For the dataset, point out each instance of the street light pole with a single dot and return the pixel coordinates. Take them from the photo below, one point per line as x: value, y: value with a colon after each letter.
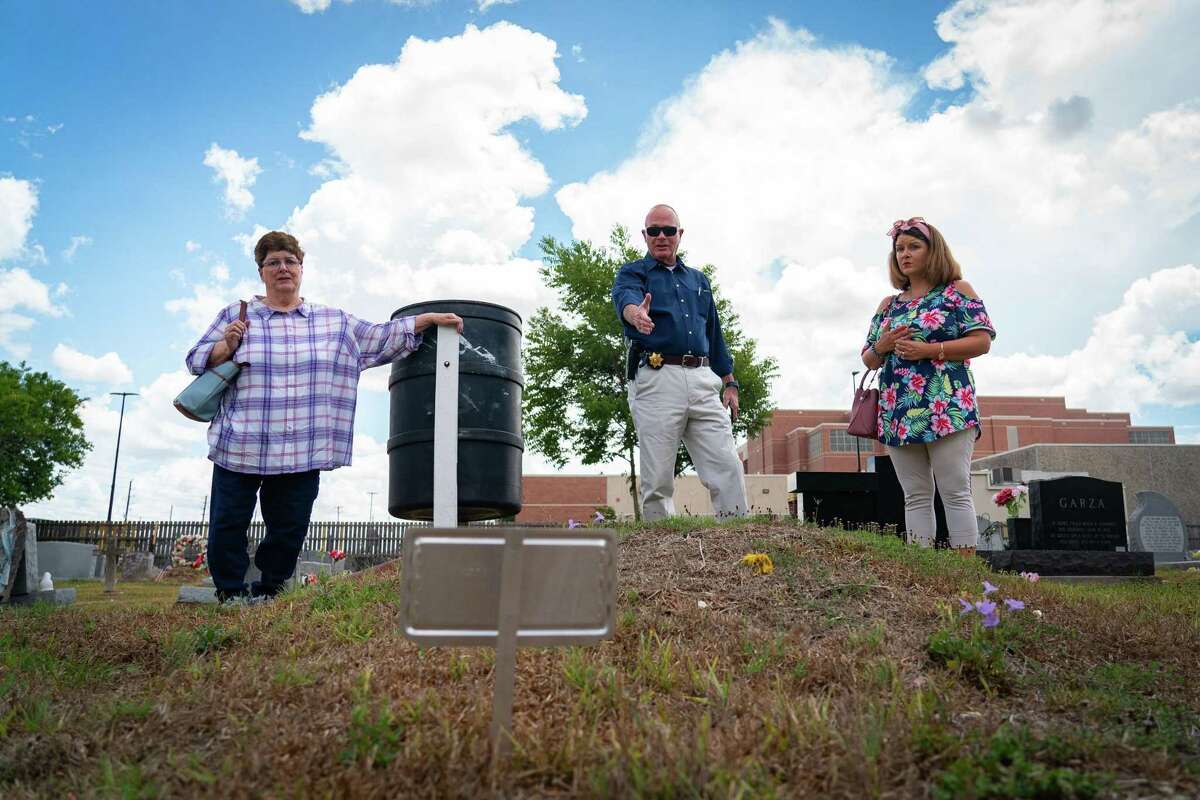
x: 857, y: 441
x: 371, y: 512
x: 120, y: 424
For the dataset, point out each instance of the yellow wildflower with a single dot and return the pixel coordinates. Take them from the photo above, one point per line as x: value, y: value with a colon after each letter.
x: 759, y: 562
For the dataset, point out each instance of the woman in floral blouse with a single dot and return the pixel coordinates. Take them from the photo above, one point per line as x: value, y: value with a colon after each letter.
x: 922, y: 341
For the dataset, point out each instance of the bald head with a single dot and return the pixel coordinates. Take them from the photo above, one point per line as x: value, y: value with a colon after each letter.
x: 662, y: 208
x: 662, y: 233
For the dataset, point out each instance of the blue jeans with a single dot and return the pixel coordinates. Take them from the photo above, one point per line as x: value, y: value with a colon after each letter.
x: 287, y: 502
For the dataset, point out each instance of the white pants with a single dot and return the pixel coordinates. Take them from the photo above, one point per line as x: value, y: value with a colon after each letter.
x: 680, y: 403
x: 946, y: 463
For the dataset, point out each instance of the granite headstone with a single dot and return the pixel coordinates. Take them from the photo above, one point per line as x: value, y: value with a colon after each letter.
x: 1156, y: 527
x: 1077, y: 513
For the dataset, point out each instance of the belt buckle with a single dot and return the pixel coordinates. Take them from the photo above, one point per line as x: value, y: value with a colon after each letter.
x: 655, y: 360
x: 690, y: 361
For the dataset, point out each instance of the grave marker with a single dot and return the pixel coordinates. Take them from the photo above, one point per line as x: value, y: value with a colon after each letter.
x: 1077, y: 513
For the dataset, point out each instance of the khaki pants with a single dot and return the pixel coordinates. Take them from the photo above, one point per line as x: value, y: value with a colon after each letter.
x: 946, y: 463
x: 678, y: 403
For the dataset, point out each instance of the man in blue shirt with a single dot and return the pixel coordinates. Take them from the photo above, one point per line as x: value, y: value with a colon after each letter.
x: 684, y: 387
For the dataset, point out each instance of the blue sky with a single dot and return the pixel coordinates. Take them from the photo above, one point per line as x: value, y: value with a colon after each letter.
x: 790, y: 134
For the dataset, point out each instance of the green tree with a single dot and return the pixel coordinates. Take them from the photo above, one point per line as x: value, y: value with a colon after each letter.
x: 41, y: 434
x: 576, y: 402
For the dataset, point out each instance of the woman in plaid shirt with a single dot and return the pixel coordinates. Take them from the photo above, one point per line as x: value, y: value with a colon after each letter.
x: 290, y: 414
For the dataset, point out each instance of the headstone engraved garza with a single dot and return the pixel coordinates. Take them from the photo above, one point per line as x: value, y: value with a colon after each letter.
x: 1077, y: 513
x: 1156, y: 527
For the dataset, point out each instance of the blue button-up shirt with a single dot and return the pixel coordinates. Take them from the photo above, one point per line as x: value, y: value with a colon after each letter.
x: 681, y: 307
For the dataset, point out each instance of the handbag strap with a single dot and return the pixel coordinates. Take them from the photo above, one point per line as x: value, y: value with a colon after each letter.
x: 867, y: 374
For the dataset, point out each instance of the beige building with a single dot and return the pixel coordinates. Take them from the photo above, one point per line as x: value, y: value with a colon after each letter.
x: 559, y: 498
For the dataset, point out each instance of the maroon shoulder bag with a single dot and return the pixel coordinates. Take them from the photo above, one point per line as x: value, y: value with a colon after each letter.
x: 864, y: 413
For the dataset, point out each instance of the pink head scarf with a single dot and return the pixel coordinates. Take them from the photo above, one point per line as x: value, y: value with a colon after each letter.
x: 902, y: 225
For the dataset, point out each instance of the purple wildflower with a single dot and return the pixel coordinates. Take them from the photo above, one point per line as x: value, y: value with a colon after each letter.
x: 988, y: 588
x: 599, y: 517
x: 967, y: 608
x: 1013, y: 605
x: 572, y: 523
x: 985, y: 607
x: 991, y: 620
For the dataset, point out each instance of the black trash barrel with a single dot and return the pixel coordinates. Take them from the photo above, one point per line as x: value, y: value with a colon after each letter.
x: 490, y: 445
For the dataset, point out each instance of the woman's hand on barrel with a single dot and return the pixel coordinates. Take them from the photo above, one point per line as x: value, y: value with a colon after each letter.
x: 435, y: 319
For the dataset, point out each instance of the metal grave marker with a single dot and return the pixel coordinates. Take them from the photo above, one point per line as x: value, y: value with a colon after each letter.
x: 508, y: 587
x: 496, y: 586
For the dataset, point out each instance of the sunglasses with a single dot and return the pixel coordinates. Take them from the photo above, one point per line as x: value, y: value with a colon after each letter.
x: 665, y: 230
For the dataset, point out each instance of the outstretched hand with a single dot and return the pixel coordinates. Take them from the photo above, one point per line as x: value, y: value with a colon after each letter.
x: 434, y: 319
x: 639, y: 316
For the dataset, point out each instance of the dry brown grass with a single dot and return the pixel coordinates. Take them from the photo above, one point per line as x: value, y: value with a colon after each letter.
x: 811, y: 681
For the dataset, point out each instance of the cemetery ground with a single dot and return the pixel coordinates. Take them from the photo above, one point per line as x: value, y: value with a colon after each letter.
x: 845, y: 671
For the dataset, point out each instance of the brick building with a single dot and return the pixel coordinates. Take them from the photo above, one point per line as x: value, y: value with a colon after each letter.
x: 816, y: 441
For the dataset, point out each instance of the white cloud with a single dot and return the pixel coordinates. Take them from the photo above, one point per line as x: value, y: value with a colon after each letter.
x: 161, y: 451
x: 107, y: 369
x: 191, y: 246
x: 577, y: 52
x: 1021, y: 57
x: 484, y: 5
x: 314, y: 6
x: 10, y: 325
x: 1144, y: 351
x: 237, y: 173
x: 18, y: 204
x: 206, y: 300
x: 429, y: 198
x: 19, y: 289
x: 788, y: 160
x: 73, y: 248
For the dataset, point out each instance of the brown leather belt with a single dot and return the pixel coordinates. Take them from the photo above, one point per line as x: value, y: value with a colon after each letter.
x: 689, y: 361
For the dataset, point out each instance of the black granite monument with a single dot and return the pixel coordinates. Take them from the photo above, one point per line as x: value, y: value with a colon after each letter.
x: 1077, y: 513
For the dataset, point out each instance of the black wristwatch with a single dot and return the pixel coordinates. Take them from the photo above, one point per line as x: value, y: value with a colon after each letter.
x: 734, y: 384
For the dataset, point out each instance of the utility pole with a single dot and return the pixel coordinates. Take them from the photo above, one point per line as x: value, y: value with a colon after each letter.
x: 371, y: 512
x: 110, y: 548
x: 116, y: 456
x: 203, y: 509
x: 128, y: 495
x: 338, y: 510
x: 857, y: 440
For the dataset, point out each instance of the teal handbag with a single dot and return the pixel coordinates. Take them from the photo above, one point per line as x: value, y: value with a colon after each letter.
x: 202, y: 398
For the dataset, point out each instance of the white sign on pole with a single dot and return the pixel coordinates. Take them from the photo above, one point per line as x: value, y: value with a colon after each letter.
x: 504, y: 587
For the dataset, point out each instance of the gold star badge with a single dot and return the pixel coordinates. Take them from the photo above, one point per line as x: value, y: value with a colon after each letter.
x: 655, y: 360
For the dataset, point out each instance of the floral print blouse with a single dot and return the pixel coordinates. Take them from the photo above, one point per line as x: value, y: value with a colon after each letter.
x: 922, y: 401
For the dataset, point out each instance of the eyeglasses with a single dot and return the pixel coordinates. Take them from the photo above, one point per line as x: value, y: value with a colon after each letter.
x: 275, y: 263
x: 665, y: 230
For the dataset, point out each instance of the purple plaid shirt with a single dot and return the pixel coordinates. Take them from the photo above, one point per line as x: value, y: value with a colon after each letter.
x: 292, y: 409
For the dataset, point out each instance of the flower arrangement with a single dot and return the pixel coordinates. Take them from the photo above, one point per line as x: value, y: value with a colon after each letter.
x: 759, y: 562
x: 1011, y: 497
x: 308, y: 579
x: 337, y: 555
x: 1032, y: 577
x: 179, y: 551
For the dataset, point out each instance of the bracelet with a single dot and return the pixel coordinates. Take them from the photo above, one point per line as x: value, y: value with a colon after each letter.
x: 941, y: 351
x: 878, y: 354
x: 733, y: 384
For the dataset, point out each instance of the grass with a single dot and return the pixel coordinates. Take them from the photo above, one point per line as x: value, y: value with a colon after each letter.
x: 844, y: 673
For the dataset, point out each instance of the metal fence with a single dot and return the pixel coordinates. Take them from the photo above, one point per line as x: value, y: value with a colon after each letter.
x: 355, y: 538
